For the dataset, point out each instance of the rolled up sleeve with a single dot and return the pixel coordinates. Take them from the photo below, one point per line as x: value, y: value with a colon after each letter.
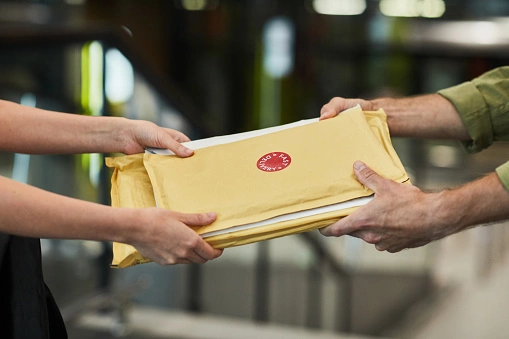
x: 483, y: 105
x: 503, y: 174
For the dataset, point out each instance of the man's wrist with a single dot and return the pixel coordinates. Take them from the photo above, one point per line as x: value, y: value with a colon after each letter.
x: 377, y: 104
x: 448, y: 212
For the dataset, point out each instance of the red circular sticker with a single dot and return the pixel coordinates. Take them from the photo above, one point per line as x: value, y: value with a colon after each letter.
x: 273, y: 162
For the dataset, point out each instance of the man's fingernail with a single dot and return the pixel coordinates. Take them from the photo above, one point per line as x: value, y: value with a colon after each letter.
x: 359, y: 165
x: 188, y: 151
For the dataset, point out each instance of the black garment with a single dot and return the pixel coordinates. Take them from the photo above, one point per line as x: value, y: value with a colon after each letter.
x: 27, y: 307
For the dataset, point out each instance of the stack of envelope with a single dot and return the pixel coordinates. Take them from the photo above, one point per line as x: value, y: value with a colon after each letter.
x: 262, y: 184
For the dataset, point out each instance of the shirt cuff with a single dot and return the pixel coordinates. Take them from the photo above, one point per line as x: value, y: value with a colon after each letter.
x: 474, y: 113
x: 503, y: 174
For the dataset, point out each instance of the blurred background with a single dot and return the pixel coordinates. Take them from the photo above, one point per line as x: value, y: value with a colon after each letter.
x: 213, y: 67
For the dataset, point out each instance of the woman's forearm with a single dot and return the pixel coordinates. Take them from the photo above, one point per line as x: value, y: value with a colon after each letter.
x: 31, y: 130
x: 32, y: 212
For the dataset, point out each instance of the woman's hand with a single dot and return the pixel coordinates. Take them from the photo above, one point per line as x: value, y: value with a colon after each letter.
x: 166, y: 238
x: 143, y: 134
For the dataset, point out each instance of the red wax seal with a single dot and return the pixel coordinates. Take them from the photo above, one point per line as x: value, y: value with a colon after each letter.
x: 273, y: 162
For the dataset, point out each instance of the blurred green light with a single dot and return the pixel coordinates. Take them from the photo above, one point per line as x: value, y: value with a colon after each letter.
x: 194, y: 5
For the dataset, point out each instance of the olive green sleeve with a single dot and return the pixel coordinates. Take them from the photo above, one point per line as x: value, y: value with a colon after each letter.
x: 483, y: 105
x: 503, y: 174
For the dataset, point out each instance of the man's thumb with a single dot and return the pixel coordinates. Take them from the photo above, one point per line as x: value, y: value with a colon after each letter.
x: 367, y: 176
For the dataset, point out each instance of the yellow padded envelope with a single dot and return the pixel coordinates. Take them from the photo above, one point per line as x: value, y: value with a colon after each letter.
x: 130, y: 187
x: 257, y: 185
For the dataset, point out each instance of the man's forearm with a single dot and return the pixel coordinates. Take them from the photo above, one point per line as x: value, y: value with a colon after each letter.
x: 31, y: 130
x: 427, y: 116
x: 479, y: 202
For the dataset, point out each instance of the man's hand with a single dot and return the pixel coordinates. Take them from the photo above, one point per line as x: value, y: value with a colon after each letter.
x: 400, y: 216
x: 338, y: 105
x: 167, y: 239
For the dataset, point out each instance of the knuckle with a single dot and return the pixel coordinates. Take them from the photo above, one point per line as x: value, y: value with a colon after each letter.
x: 171, y: 261
x: 335, y: 231
x: 368, y: 173
x: 371, y: 238
x: 193, y: 243
x: 186, y: 253
x: 366, y: 223
x: 198, y: 218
